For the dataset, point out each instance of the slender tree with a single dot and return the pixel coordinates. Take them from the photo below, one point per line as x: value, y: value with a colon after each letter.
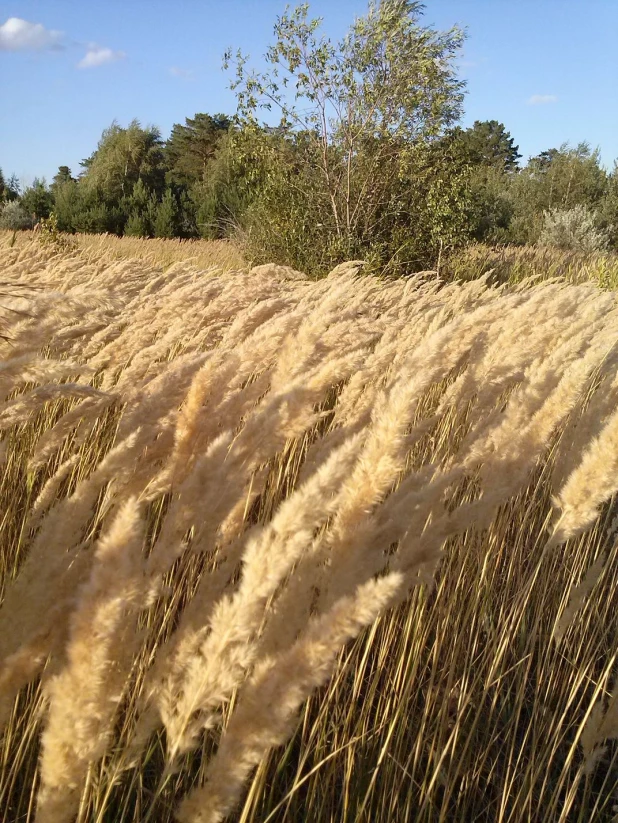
x: 355, y: 122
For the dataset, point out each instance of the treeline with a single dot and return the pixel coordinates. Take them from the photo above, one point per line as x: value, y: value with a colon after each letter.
x: 136, y: 183
x: 367, y: 161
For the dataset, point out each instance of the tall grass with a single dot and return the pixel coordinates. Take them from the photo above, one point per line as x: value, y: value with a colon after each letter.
x: 162, y: 252
x: 286, y: 550
x: 512, y: 264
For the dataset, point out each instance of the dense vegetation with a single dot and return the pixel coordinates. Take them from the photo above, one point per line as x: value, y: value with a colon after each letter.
x: 362, y: 157
x: 283, y: 550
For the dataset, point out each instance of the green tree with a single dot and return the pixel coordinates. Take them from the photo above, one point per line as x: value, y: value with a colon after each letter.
x: 166, y: 219
x: 124, y: 156
x: 136, y: 226
x: 556, y: 179
x: 607, y: 216
x: 69, y: 203
x: 37, y: 200
x: 9, y: 190
x: 66, y: 198
x: 491, y: 157
x: 355, y: 119
x: 141, y: 207
x: 63, y: 175
x: 94, y: 216
x: 191, y: 147
x: 216, y: 204
x: 489, y: 206
x: 487, y: 143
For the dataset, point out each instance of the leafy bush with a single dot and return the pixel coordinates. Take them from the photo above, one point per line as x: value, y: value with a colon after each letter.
x: 51, y: 235
x: 13, y: 217
x: 573, y: 230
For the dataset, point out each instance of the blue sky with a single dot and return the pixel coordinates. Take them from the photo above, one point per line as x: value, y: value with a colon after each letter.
x: 548, y: 69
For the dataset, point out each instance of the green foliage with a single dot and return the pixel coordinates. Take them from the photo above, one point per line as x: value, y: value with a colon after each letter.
x: 62, y: 176
x: 556, y: 179
x: 69, y: 204
x: 607, y: 215
x: 486, y: 144
x: 99, y: 217
x: 9, y: 190
x: 356, y: 121
x: 489, y: 207
x: 37, y: 200
x: 141, y: 206
x: 124, y: 156
x: 50, y: 234
x: 234, y: 174
x: 166, y: 219
x: 573, y: 230
x: 136, y: 226
x: 140, y: 197
x: 192, y: 146
x: 13, y: 217
x: 123, y: 187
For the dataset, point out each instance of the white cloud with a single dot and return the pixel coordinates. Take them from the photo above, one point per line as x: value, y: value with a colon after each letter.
x: 20, y: 35
x: 542, y: 99
x: 184, y: 74
x: 98, y: 56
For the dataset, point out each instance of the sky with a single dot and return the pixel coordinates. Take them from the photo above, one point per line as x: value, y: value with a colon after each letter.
x: 547, y: 69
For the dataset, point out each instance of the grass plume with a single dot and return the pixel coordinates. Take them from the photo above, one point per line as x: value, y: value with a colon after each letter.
x: 278, y: 549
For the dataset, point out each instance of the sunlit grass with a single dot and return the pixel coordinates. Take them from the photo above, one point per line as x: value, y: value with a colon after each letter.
x: 511, y: 264
x: 463, y: 703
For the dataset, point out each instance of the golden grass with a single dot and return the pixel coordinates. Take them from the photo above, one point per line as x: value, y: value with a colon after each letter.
x: 232, y: 497
x: 160, y: 252
x: 512, y: 264
x: 155, y: 252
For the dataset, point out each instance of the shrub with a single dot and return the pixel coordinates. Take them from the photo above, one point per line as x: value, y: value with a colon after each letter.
x: 51, y: 235
x: 13, y: 217
x: 572, y: 230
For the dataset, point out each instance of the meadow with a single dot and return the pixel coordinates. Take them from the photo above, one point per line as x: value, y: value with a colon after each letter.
x: 280, y: 549
x: 203, y: 254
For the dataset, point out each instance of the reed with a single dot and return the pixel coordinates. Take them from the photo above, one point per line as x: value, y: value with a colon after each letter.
x: 277, y: 549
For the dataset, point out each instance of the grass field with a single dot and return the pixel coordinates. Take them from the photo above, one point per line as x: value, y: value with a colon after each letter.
x: 159, y: 253
x: 515, y: 263
x: 282, y: 550
x: 200, y: 253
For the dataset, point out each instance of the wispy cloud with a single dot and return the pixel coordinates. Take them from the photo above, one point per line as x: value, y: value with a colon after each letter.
x: 183, y: 74
x: 20, y: 35
x: 98, y: 56
x: 542, y: 99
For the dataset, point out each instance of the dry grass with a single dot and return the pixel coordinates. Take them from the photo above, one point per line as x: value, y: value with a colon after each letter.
x: 229, y: 498
x: 512, y: 264
x: 201, y: 253
x: 156, y: 253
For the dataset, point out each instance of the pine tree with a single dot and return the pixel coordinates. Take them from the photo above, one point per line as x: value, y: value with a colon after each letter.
x: 166, y: 220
